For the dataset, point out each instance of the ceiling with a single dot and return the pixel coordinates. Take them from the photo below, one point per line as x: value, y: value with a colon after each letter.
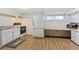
x: 41, y: 10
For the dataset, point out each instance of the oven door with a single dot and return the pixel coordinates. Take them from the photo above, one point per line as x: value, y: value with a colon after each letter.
x: 23, y: 29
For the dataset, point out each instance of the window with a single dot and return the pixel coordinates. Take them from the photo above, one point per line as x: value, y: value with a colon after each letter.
x: 54, y: 17
x: 49, y: 17
x: 59, y: 17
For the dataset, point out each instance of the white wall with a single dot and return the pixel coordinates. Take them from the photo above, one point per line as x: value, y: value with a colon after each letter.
x: 75, y: 17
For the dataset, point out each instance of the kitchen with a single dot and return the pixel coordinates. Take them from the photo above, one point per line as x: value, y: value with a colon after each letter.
x: 23, y: 29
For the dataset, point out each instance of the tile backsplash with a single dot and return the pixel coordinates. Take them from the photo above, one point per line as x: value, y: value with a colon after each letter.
x: 6, y: 21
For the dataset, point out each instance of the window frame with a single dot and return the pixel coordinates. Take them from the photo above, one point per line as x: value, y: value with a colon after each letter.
x: 58, y: 17
x: 52, y: 17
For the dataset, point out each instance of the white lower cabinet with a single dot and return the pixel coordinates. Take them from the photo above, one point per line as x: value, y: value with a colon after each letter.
x: 38, y: 33
x: 9, y: 35
x: 75, y: 37
x: 16, y: 32
x: 6, y: 36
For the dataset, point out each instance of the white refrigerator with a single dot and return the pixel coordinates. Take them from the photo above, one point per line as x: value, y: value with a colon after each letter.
x: 38, y: 26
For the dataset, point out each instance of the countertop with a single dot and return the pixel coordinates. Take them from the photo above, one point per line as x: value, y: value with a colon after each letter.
x: 6, y: 27
x: 77, y: 30
x: 65, y: 29
x: 9, y: 27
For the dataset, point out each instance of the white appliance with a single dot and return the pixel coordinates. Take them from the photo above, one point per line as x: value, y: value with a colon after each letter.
x: 38, y: 26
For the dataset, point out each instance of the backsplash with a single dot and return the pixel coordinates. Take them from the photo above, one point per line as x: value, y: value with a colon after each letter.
x: 56, y: 24
x: 6, y: 21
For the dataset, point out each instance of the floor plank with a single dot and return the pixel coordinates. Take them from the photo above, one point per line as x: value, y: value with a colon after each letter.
x: 48, y: 43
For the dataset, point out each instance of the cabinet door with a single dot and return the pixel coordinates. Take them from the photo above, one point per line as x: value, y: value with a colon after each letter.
x: 16, y: 33
x: 7, y: 36
x: 72, y: 35
x: 38, y: 22
x: 38, y: 33
x: 61, y: 33
x: 75, y: 37
x: 48, y: 33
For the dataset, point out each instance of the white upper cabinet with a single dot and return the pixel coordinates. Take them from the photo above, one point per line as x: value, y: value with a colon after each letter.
x: 38, y: 22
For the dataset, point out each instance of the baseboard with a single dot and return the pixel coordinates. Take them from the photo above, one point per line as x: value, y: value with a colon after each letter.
x: 57, y: 37
x: 38, y: 37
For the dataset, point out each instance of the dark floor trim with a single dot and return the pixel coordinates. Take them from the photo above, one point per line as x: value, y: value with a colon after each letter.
x: 57, y: 37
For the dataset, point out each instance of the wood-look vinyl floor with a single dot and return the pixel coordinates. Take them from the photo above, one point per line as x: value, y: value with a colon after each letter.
x: 47, y: 43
